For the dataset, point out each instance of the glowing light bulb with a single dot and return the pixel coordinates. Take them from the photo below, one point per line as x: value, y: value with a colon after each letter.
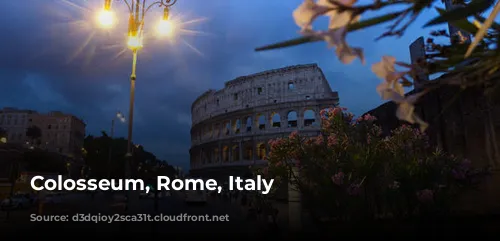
x: 134, y: 42
x: 165, y: 27
x: 106, y: 18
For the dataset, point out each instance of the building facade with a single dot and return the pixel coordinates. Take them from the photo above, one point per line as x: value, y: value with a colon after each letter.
x: 61, y: 133
x: 231, y: 127
x: 15, y: 122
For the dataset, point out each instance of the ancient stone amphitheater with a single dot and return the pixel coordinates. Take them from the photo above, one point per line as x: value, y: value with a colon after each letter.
x: 231, y: 127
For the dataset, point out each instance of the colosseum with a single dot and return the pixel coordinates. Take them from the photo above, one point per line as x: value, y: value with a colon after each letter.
x: 231, y: 127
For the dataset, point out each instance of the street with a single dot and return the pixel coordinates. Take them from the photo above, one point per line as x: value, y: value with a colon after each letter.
x: 102, y: 204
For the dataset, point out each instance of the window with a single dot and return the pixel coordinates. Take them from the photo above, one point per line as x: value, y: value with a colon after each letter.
x: 291, y: 86
x: 235, y: 96
x: 49, y: 127
x: 217, y: 102
x: 308, y: 97
x: 259, y: 90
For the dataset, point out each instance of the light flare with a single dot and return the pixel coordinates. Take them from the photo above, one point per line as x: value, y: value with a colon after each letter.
x: 106, y: 18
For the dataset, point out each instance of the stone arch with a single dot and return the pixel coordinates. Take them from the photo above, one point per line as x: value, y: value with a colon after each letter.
x: 216, y: 155
x: 261, y: 151
x: 210, y: 131
x: 227, y: 128
x: 235, y: 153
x: 261, y: 121
x: 292, y: 119
x: 248, y: 153
x: 217, y: 130
x: 275, y: 120
x: 237, y: 126
x: 225, y: 154
x: 309, y: 117
x: 249, y: 123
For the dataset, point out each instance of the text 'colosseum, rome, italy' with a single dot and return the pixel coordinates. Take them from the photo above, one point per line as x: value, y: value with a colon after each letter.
x: 231, y: 127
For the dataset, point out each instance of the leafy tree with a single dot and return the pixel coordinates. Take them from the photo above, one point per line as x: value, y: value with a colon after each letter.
x: 43, y: 161
x: 144, y: 164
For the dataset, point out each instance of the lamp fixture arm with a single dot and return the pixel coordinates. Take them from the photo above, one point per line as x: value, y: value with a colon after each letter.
x: 161, y: 3
x: 128, y: 5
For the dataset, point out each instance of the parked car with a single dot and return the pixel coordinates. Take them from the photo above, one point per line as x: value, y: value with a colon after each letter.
x: 15, y: 202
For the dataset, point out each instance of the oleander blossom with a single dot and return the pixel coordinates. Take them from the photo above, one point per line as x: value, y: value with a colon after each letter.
x: 332, y: 141
x: 274, y: 143
x: 338, y: 179
x: 425, y: 196
x: 310, y: 10
x: 319, y: 140
x: 392, y: 89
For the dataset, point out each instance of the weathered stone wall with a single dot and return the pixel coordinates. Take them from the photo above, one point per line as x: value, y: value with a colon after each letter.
x: 232, y: 126
x: 462, y: 122
x: 268, y: 87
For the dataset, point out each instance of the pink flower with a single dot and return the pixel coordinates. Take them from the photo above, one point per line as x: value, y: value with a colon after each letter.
x: 310, y: 141
x: 294, y: 135
x: 349, y: 117
x: 338, y: 178
x: 275, y: 143
x: 425, y: 196
x: 336, y: 111
x: 319, y: 140
x: 332, y: 141
x: 324, y: 114
x: 354, y: 189
x: 369, y: 117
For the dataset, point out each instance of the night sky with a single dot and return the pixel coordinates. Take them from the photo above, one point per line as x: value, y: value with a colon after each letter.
x: 54, y: 57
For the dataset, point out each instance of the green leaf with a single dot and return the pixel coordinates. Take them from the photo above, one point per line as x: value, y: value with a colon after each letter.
x: 463, y: 23
x: 373, y: 21
x: 289, y: 43
x: 353, y: 27
x: 475, y: 7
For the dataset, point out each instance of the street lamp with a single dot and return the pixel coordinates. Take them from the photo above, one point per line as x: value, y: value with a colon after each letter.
x: 119, y: 116
x: 106, y: 17
x: 137, y: 11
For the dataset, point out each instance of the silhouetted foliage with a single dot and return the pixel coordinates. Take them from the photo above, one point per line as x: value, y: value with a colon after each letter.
x: 102, y: 165
x: 43, y: 161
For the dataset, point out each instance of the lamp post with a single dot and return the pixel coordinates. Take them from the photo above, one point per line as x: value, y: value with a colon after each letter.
x: 119, y: 116
x: 137, y: 11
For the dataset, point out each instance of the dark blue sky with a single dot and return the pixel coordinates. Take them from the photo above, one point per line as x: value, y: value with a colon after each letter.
x: 46, y: 64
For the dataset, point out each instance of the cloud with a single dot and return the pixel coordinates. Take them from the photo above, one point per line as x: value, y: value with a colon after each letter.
x: 48, y: 63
